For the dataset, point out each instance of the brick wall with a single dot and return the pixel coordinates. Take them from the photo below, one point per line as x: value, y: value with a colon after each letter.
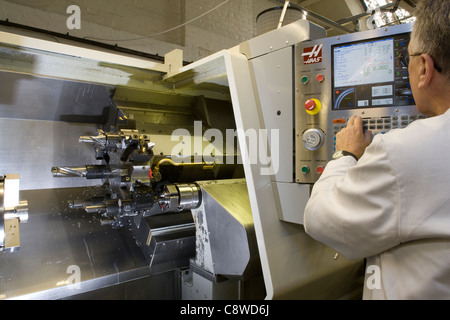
x: 231, y: 24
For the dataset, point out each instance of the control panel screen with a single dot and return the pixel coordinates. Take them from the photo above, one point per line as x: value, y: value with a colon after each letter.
x: 371, y: 73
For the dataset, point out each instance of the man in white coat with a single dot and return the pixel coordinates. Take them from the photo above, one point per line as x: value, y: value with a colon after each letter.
x: 389, y: 200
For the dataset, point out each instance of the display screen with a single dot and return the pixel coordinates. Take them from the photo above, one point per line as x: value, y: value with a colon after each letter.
x: 364, y: 63
x: 371, y: 73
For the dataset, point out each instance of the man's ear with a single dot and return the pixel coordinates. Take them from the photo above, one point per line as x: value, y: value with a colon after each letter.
x: 426, y: 70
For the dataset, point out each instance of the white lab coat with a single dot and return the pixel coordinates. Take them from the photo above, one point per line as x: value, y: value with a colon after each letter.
x: 393, y: 208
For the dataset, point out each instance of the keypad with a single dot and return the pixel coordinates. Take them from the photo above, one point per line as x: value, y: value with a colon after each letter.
x: 378, y: 125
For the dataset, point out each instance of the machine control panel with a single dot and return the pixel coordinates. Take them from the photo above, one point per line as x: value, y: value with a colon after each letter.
x: 362, y: 74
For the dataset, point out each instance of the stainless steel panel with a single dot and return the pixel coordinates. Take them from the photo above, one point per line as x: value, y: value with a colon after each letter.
x: 226, y: 241
x: 31, y: 147
x: 29, y: 97
x: 57, y: 238
x: 41, y: 120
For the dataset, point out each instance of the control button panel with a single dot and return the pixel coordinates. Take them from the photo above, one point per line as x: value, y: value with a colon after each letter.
x: 378, y: 125
x: 329, y: 90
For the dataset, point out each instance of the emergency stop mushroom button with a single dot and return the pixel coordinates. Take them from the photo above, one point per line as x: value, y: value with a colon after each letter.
x: 312, y: 106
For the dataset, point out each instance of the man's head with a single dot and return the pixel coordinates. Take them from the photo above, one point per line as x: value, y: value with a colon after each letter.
x: 429, y: 51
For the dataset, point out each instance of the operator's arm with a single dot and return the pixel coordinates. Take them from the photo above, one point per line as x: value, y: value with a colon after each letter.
x: 353, y: 207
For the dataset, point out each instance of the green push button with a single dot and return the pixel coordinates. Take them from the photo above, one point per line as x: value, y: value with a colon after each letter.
x: 305, y: 169
x: 305, y: 79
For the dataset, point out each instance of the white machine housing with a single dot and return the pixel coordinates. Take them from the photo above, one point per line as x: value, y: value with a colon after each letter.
x: 260, y: 76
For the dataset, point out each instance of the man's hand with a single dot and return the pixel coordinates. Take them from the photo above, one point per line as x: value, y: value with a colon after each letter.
x: 352, y: 138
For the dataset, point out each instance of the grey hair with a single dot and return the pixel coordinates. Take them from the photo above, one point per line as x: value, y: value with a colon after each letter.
x: 432, y: 31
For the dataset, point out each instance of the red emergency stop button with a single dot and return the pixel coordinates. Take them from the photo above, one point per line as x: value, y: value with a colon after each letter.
x: 312, y: 106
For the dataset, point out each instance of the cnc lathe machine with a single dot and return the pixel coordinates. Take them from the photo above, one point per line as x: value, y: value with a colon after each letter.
x: 124, y: 177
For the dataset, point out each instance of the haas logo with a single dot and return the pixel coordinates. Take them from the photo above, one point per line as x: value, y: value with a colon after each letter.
x: 312, y: 54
